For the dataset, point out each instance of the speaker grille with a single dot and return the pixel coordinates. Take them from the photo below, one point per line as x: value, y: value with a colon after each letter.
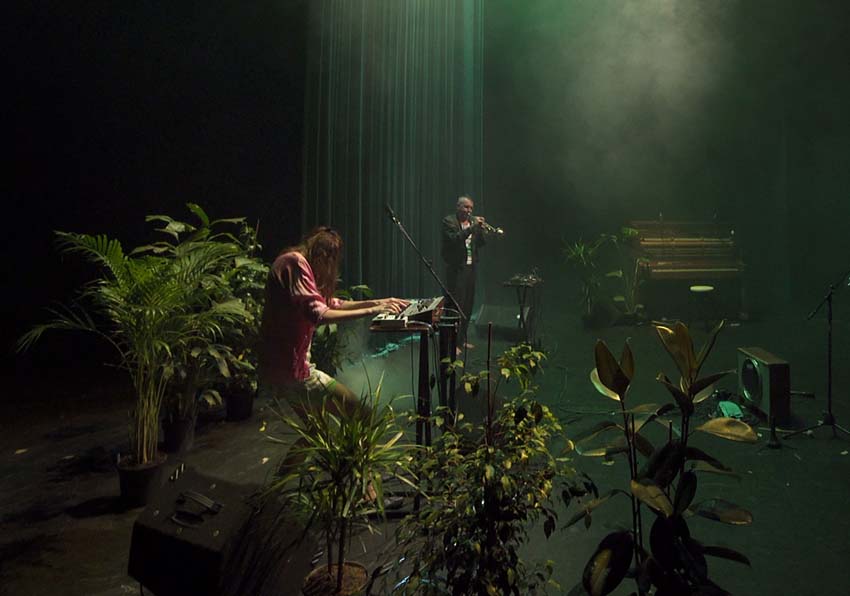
x: 751, y: 386
x: 765, y: 381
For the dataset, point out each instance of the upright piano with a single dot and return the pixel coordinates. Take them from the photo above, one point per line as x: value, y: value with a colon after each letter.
x: 673, y: 256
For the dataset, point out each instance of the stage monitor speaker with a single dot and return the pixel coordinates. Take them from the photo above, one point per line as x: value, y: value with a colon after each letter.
x: 181, y: 543
x: 765, y: 381
x: 505, y: 319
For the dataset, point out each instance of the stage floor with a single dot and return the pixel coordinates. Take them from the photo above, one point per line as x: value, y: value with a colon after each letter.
x: 63, y: 528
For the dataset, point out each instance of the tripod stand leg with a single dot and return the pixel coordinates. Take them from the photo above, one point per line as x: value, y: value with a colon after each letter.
x: 774, y: 442
x: 828, y: 420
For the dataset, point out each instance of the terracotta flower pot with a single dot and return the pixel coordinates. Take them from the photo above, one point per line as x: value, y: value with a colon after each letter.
x: 321, y: 583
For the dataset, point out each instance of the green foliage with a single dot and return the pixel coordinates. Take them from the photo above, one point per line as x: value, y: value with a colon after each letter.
x: 612, y: 252
x: 158, y: 307
x: 521, y: 362
x: 484, y: 487
x: 666, y: 483
x: 227, y: 246
x: 583, y: 256
x: 329, y: 349
x: 345, y: 456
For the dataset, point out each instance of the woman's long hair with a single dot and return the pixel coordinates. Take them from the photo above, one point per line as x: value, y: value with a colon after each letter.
x: 322, y: 248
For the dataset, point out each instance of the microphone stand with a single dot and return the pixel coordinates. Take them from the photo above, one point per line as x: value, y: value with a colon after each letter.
x: 829, y: 417
x: 422, y: 258
x: 450, y: 347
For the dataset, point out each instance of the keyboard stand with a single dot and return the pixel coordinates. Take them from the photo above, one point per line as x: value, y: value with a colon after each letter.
x: 423, y: 399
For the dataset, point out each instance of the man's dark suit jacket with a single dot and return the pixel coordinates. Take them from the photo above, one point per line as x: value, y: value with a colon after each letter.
x: 453, y: 246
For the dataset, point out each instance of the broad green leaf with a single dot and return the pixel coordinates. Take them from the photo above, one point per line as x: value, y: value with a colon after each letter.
x: 696, y: 454
x: 682, y: 399
x: 708, y: 345
x: 596, y: 429
x: 651, y: 494
x: 723, y: 511
x: 609, y: 564
x: 594, y: 378
x: 700, y: 385
x: 677, y: 341
x: 627, y: 361
x: 703, y: 466
x: 609, y: 371
x: 703, y: 394
x: 640, y: 409
x: 615, y: 448
x: 200, y: 213
x: 664, y: 464
x: 726, y: 553
x: 588, y: 507
x: 729, y: 428
x: 685, y: 492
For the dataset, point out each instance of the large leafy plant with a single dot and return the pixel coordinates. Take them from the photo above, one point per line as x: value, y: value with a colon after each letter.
x: 666, y: 482
x: 153, y: 310
x: 584, y: 258
x: 484, y: 486
x: 227, y: 248
x: 610, y: 253
x: 627, y: 271
x: 345, y: 454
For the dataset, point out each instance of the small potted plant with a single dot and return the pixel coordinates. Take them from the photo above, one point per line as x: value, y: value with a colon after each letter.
x: 484, y: 486
x: 196, y: 369
x: 584, y: 258
x: 241, y: 387
x: 344, y: 456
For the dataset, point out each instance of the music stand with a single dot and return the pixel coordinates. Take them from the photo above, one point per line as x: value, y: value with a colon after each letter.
x: 529, y: 303
x: 829, y: 417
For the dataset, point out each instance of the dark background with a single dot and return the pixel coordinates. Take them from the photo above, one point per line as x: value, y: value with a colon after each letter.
x: 595, y: 113
x: 120, y: 110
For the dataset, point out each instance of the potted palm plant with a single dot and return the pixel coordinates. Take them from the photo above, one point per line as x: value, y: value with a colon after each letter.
x: 344, y: 457
x: 584, y: 257
x: 235, y: 274
x: 149, y: 308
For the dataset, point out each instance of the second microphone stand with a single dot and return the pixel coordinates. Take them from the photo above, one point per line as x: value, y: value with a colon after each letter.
x: 828, y: 417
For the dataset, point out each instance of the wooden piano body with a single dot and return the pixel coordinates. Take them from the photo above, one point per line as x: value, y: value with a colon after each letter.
x: 675, y: 255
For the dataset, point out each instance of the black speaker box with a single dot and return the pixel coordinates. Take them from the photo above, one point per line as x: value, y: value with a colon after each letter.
x: 505, y: 319
x: 765, y: 381
x: 179, y: 546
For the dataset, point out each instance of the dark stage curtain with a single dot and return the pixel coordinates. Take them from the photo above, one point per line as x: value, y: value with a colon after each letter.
x: 393, y: 115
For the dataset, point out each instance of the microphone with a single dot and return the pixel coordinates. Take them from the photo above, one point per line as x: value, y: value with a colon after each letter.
x: 390, y: 212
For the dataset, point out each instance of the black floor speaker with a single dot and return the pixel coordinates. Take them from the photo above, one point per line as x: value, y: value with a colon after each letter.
x: 181, y: 542
x: 765, y: 380
x: 506, y: 321
x: 202, y: 536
